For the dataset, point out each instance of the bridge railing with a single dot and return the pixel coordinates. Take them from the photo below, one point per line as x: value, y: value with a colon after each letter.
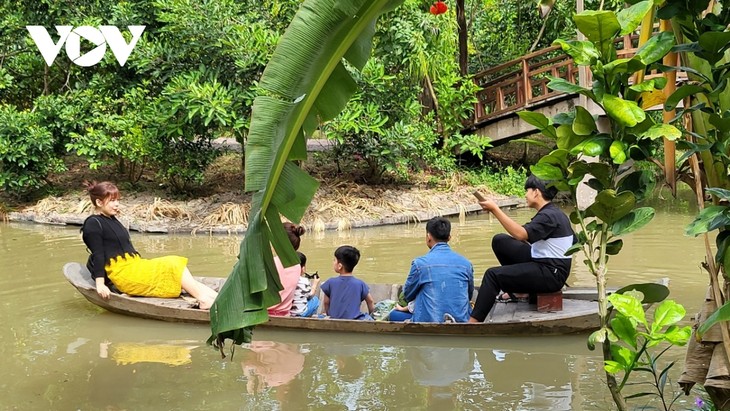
x: 522, y: 83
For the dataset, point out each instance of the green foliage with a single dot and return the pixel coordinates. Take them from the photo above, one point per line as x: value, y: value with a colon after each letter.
x: 503, y: 180
x: 191, y: 78
x: 634, y: 336
x: 26, y: 152
x: 365, y: 132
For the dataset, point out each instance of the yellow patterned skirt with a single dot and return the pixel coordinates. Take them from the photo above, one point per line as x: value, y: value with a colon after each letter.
x: 156, y: 277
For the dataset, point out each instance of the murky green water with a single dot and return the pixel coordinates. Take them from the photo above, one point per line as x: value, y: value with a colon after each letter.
x: 60, y: 352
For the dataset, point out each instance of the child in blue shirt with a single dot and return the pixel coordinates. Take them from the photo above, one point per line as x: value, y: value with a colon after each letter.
x: 344, y: 294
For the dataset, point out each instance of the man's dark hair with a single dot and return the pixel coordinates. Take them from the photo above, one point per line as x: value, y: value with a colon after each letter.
x: 548, y: 193
x: 439, y: 228
x: 302, y: 258
x: 348, y: 256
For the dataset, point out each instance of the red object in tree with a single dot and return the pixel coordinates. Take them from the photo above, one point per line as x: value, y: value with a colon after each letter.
x: 438, y: 7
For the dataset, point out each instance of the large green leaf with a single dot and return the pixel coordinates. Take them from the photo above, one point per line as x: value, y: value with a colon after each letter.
x: 652, y: 292
x: 633, y: 221
x: 623, y: 66
x: 564, y: 86
x: 540, y: 121
x: 668, y: 313
x: 617, y: 150
x: 639, y: 182
x: 714, y: 44
x: 610, y: 207
x: 656, y: 48
x: 584, y: 123
x: 629, y: 306
x: 567, y: 139
x: 682, y: 92
x: 630, y: 18
x: 705, y: 218
x: 627, y: 113
x: 584, y: 53
x: 624, y: 329
x: 600, y: 27
x: 593, y: 146
x: 722, y: 314
x: 720, y: 193
x: 305, y: 82
x: 547, y: 172
x: 558, y: 158
x: 667, y: 131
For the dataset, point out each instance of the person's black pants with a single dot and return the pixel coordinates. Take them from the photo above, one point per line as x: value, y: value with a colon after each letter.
x: 518, y: 273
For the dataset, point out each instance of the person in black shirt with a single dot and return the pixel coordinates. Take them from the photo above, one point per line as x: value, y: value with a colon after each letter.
x: 532, y: 256
x: 115, y: 262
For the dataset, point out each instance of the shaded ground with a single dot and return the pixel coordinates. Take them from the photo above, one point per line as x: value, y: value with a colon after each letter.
x: 221, y: 206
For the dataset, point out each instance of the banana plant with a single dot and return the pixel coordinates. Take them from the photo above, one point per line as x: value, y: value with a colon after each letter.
x: 601, y: 153
x: 305, y: 82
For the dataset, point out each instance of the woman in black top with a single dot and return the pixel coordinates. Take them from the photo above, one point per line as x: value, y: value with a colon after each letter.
x: 532, y: 256
x: 114, y: 261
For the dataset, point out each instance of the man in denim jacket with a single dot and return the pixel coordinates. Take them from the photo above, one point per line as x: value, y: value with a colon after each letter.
x: 442, y: 281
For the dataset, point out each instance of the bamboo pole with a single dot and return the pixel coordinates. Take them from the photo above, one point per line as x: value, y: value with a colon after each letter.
x: 647, y: 28
x: 670, y: 168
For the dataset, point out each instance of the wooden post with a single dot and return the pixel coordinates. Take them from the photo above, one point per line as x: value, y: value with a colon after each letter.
x: 527, y: 88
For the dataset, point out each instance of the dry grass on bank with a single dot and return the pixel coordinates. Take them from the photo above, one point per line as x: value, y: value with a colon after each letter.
x: 161, y: 209
x: 339, y: 202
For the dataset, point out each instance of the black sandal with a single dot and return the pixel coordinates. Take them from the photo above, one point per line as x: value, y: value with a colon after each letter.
x: 511, y: 298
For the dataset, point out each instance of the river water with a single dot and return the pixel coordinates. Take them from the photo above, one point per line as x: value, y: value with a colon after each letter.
x: 60, y: 352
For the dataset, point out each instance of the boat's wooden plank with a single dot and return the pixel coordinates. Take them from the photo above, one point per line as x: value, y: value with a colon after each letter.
x: 504, y: 312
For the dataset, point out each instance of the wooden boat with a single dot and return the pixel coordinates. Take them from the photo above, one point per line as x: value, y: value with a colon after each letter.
x: 579, y: 314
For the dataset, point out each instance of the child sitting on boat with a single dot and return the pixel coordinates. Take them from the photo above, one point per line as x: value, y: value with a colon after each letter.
x: 344, y: 294
x: 305, y: 301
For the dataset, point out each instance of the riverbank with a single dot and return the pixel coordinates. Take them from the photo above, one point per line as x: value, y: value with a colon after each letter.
x: 339, y: 204
x: 340, y: 207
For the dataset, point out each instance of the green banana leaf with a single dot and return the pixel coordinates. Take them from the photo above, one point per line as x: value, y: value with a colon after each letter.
x: 304, y: 83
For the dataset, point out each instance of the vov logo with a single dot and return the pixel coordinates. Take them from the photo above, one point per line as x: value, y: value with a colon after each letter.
x: 71, y: 37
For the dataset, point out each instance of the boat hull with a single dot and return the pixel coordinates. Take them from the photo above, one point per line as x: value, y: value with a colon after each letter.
x: 579, y: 314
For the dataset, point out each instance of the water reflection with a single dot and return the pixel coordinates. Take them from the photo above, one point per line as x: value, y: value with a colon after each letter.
x: 125, y: 353
x: 269, y: 364
x: 430, y: 376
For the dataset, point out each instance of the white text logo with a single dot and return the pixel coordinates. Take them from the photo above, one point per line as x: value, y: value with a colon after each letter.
x: 72, y: 38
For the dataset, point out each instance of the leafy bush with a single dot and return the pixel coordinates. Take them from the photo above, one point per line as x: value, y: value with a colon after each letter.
x: 26, y: 152
x: 508, y: 181
x: 366, y: 132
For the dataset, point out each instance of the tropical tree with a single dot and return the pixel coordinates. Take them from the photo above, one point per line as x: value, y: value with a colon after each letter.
x: 601, y: 153
x: 305, y: 82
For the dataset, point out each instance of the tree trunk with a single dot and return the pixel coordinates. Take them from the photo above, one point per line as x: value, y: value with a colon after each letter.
x: 463, y: 38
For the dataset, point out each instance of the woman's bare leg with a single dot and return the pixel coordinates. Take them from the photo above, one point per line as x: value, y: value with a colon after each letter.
x: 200, y: 291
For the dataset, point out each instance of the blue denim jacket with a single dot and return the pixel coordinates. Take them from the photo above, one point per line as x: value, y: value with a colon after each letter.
x: 441, y: 282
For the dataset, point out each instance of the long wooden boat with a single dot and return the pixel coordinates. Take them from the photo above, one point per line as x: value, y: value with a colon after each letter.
x: 579, y: 314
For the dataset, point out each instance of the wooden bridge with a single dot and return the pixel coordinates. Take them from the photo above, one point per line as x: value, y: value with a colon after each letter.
x: 521, y: 84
